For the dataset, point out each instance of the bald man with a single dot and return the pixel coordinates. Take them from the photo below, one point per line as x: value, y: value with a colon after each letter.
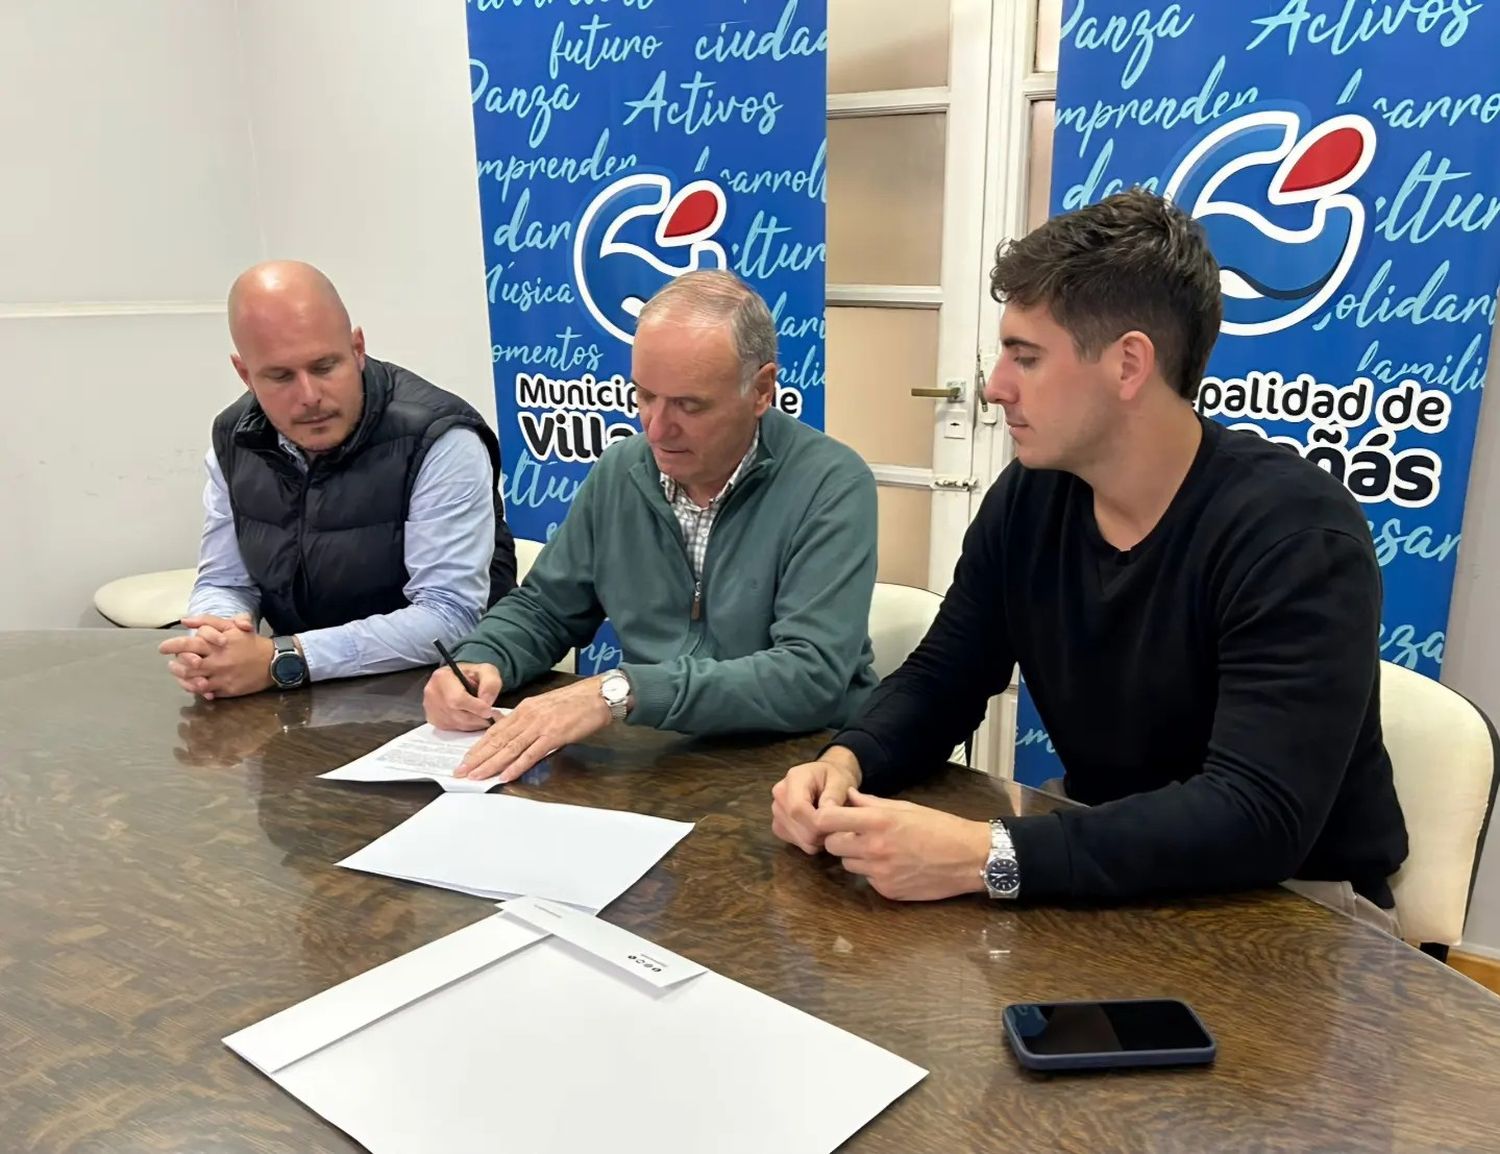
x: 350, y: 504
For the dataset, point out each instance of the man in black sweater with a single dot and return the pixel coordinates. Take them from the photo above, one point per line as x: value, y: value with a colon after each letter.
x: 1195, y: 610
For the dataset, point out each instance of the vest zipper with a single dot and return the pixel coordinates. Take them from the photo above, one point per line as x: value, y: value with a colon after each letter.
x: 302, y: 513
x: 697, y: 610
x: 299, y: 577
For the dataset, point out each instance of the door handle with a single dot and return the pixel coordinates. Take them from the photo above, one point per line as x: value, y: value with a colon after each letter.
x: 952, y: 394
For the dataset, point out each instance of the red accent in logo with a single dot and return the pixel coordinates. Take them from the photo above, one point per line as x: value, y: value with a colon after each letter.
x: 694, y: 214
x: 1326, y: 161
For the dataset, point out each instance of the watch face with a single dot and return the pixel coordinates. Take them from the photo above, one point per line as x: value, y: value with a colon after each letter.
x: 615, y: 690
x: 288, y: 669
x: 1002, y: 875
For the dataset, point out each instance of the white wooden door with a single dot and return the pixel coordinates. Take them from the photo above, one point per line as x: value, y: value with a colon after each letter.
x: 907, y: 108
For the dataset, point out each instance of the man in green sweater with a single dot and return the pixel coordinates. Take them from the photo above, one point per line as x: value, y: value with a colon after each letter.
x: 731, y: 546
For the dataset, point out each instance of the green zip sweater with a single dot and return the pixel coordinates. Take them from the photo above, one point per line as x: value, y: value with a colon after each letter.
x: 779, y: 640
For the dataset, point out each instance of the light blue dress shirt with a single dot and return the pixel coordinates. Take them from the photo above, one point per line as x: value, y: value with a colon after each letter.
x: 450, y: 539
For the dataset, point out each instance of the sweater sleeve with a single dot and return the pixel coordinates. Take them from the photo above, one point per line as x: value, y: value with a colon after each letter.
x: 1298, y: 654
x: 937, y: 698
x: 557, y: 607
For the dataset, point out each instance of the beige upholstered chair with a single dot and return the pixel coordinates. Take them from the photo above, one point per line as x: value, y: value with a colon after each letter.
x: 147, y: 600
x: 900, y: 616
x: 1443, y: 749
x: 526, y: 554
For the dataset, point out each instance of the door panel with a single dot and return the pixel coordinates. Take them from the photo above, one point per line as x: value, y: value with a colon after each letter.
x: 883, y: 44
x: 874, y: 356
x: 905, y: 528
x: 885, y: 220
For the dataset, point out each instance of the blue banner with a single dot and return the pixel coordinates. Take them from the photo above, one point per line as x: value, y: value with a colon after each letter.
x: 1342, y: 157
x: 621, y: 144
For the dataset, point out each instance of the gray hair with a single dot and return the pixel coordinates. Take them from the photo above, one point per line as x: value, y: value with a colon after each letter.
x: 716, y: 296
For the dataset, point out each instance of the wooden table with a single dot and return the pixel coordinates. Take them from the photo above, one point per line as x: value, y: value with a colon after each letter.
x: 167, y: 877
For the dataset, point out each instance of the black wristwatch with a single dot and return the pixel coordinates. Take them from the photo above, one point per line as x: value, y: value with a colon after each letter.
x: 288, y: 667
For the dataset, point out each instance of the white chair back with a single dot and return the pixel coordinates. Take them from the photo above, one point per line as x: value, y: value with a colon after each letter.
x: 526, y: 554
x: 1443, y: 750
x: 900, y: 616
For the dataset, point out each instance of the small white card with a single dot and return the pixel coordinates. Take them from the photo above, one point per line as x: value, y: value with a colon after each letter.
x: 647, y: 961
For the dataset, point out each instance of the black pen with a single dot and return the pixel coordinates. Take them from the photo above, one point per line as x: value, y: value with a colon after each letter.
x: 453, y: 665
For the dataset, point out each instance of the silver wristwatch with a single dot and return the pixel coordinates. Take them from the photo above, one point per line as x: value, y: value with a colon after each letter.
x: 615, y: 689
x: 1001, y: 874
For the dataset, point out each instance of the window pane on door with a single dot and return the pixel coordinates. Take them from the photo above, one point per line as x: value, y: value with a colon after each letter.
x: 1048, y: 32
x: 1039, y: 161
x: 905, y: 533
x: 875, y: 357
x: 879, y: 44
x: 885, y: 199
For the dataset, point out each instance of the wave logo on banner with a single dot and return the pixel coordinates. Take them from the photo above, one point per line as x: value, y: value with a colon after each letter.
x: 635, y: 236
x: 1273, y: 273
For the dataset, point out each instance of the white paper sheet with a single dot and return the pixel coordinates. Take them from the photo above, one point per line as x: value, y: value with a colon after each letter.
x: 498, y: 846
x: 544, y: 1048
x: 423, y: 754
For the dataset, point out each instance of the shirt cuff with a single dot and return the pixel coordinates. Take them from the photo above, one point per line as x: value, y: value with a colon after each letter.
x: 329, y: 653
x: 217, y: 601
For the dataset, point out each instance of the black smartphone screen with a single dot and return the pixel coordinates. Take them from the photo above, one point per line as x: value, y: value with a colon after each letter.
x: 1107, y: 1027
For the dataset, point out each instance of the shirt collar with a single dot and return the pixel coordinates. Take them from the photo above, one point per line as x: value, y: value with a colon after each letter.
x: 292, y: 450
x: 673, y: 491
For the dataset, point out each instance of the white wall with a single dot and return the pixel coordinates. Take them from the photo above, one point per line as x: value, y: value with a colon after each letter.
x: 125, y: 209
x: 152, y: 151
x: 364, y: 148
x: 1471, y: 662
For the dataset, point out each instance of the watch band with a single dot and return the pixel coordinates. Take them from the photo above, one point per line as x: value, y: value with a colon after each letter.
x: 286, y: 646
x: 1001, y: 873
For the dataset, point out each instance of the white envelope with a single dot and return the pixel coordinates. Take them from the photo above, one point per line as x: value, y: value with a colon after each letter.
x: 503, y: 1037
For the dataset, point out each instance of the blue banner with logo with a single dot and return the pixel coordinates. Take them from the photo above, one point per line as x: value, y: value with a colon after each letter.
x: 1344, y: 158
x: 622, y: 143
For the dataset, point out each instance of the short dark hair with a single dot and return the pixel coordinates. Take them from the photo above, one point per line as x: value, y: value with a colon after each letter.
x: 1131, y: 261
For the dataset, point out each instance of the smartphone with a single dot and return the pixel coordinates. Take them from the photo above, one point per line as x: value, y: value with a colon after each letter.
x: 1104, y: 1035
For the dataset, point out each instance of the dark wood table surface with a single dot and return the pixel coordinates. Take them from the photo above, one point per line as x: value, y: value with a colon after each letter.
x: 167, y: 877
